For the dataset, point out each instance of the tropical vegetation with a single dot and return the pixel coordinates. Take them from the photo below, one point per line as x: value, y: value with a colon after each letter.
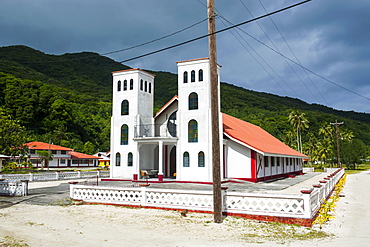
x: 66, y: 99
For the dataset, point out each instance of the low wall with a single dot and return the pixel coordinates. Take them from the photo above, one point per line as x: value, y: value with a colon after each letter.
x: 308, y: 169
x: 52, y: 176
x: 293, y: 209
x: 13, y: 188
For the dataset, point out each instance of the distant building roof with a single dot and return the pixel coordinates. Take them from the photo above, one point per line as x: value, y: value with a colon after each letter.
x: 46, y: 146
x: 77, y: 155
x: 255, y: 137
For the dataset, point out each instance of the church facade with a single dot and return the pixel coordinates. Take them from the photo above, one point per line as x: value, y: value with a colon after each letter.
x: 175, y: 143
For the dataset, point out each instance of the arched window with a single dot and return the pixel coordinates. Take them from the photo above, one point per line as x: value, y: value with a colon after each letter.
x: 124, y: 85
x: 118, y: 159
x: 171, y: 124
x: 131, y: 84
x: 193, y: 101
x: 185, y: 77
x: 186, y: 161
x: 124, y: 107
x: 192, y: 76
x: 129, y: 159
x: 200, y: 75
x: 201, y: 159
x: 141, y: 84
x: 150, y: 88
x: 124, y: 134
x: 146, y: 86
x: 119, y: 86
x: 193, y: 131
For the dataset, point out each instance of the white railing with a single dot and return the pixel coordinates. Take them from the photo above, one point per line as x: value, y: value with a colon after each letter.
x: 13, y: 188
x: 52, y: 176
x: 302, y: 206
x: 308, y: 169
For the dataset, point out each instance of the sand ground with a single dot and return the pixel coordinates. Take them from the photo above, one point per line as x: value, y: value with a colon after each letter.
x: 100, y: 225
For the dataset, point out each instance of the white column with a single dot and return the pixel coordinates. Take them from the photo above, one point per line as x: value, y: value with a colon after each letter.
x: 160, y: 161
x: 136, y: 174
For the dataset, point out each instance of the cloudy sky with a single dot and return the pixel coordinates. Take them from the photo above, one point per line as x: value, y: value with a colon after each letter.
x: 329, y: 38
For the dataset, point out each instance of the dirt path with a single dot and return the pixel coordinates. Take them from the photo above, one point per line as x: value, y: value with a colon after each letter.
x: 99, y: 225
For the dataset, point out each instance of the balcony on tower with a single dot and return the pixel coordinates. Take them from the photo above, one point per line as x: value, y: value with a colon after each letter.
x: 156, y: 130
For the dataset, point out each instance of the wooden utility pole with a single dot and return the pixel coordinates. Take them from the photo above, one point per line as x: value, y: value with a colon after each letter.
x: 337, y: 134
x: 215, y: 111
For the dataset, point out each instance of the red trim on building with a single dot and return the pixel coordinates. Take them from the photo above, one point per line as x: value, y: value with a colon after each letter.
x: 253, y: 165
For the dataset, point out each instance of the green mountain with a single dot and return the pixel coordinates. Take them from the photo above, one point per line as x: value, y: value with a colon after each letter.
x: 66, y: 99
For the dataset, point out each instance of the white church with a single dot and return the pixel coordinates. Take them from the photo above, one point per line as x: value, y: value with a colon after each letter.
x: 175, y: 143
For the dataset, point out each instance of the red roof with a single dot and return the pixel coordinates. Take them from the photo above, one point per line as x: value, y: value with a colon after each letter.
x: 174, y: 98
x: 77, y: 155
x: 132, y: 70
x: 255, y: 137
x: 195, y: 59
x: 46, y: 146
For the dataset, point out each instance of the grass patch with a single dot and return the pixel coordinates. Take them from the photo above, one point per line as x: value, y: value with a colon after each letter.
x: 359, y: 168
x: 260, y: 232
x: 8, y: 241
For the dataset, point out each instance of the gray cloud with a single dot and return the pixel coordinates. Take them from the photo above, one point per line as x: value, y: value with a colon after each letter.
x: 328, y: 37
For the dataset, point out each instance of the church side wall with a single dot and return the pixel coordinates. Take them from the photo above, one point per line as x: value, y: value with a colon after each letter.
x: 238, y: 161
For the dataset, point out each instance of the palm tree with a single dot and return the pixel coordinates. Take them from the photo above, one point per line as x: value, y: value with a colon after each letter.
x: 45, y: 156
x: 299, y: 122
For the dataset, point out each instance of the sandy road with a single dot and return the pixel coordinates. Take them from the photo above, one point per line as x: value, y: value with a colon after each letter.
x: 99, y: 225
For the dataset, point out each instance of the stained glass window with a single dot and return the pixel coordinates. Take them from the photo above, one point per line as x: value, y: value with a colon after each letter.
x: 186, y: 162
x: 129, y: 159
x: 200, y: 75
x: 124, y: 107
x: 201, y: 159
x: 193, y: 101
x: 192, y: 76
x: 124, y: 134
x: 185, y: 77
x: 193, y: 131
x: 118, y: 159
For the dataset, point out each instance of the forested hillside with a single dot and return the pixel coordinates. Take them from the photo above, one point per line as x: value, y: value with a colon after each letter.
x: 66, y: 99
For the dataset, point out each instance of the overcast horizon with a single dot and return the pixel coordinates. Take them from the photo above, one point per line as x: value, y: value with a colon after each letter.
x: 329, y: 38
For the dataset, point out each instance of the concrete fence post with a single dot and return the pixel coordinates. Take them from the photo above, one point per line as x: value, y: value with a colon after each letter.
x: 71, y: 189
x: 306, y: 194
x: 56, y: 175
x: 223, y: 198
x: 31, y: 176
x: 24, y: 187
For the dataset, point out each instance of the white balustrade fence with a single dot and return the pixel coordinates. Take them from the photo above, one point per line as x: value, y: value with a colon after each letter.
x: 13, y: 188
x: 308, y: 169
x: 52, y: 176
x: 302, y: 206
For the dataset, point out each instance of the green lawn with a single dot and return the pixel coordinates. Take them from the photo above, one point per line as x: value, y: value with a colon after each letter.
x: 359, y: 168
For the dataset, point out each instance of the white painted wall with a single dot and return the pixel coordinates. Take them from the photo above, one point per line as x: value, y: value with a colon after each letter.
x: 238, y: 160
x: 203, y: 117
x: 140, y: 112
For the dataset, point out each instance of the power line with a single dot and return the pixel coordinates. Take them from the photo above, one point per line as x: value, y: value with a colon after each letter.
x: 278, y: 48
x: 300, y: 65
x: 282, y: 36
x: 154, y: 40
x: 263, y: 61
x: 121, y: 50
x: 219, y: 31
